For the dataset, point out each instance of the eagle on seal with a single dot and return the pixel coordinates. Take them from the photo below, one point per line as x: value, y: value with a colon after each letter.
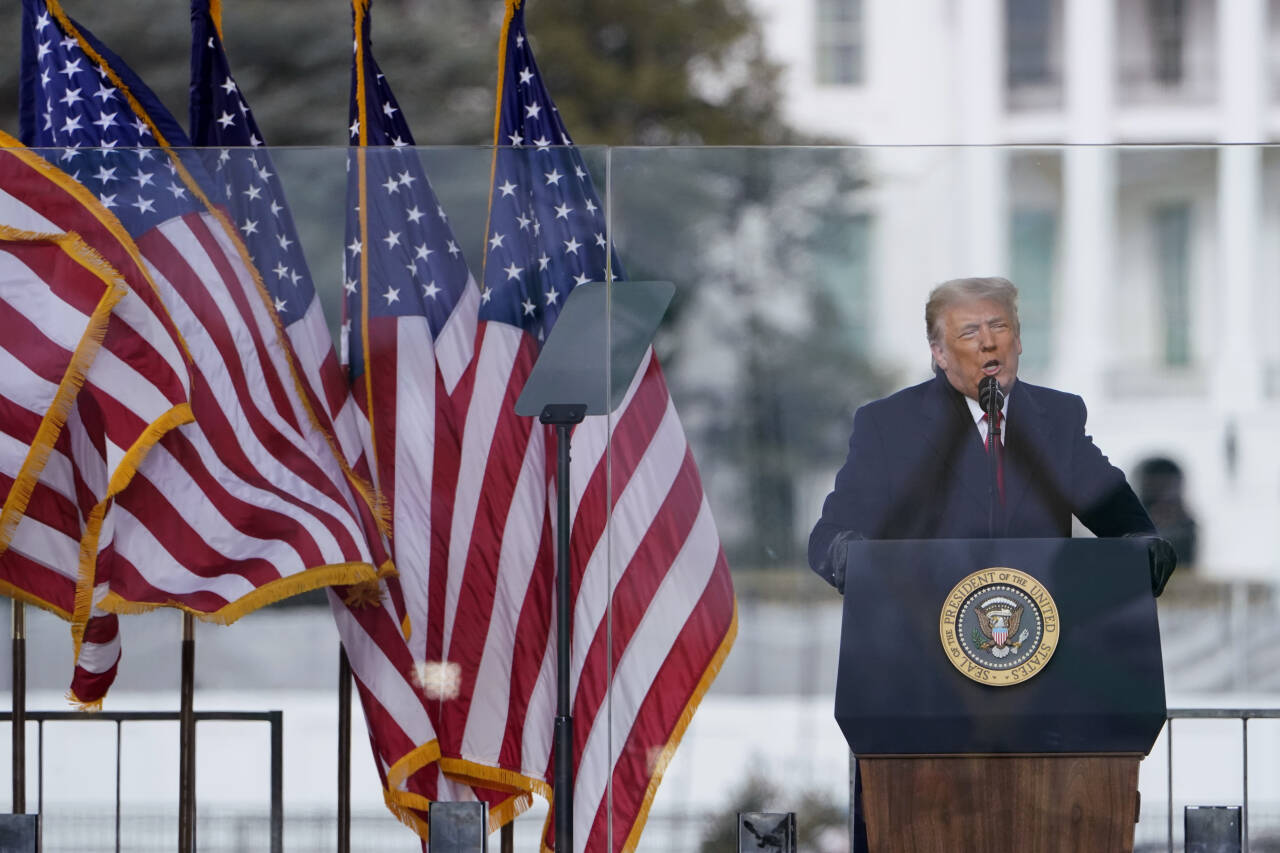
x: 999, y: 618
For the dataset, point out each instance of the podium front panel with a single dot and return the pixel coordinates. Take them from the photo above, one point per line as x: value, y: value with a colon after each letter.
x: 898, y: 692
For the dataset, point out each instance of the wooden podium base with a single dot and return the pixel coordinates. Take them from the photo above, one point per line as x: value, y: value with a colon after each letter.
x: 986, y: 804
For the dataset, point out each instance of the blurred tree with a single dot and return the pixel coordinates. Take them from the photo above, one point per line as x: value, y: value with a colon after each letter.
x: 766, y: 349
x: 292, y: 59
x: 625, y: 72
x: 633, y: 72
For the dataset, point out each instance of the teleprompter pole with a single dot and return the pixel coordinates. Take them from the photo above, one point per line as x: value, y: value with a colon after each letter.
x: 18, y: 635
x: 344, y: 752
x: 187, y: 741
x: 563, y: 417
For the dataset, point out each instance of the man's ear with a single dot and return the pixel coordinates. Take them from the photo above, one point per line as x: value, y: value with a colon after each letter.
x: 940, y: 358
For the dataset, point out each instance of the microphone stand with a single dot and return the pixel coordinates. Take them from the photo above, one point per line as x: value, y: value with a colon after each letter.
x: 992, y: 400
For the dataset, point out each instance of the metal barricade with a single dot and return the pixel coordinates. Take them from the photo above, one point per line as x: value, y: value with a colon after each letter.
x: 1244, y: 715
x: 275, y: 719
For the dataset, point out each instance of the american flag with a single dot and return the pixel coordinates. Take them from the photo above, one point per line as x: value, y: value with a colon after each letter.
x: 654, y: 611
x: 247, y: 183
x: 408, y: 336
x: 249, y: 503
x: 94, y: 374
x: 369, y: 617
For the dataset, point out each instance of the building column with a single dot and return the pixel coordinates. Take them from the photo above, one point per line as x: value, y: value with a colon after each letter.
x: 1089, y: 69
x: 1237, y: 525
x: 1083, y: 307
x: 982, y: 203
x: 1233, y: 343
x: 1233, y: 339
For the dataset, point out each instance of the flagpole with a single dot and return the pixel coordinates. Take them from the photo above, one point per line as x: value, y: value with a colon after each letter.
x: 187, y: 741
x: 18, y: 634
x: 344, y: 751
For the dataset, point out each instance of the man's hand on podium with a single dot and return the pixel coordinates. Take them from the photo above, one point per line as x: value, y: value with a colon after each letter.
x: 838, y: 556
x: 1162, y: 560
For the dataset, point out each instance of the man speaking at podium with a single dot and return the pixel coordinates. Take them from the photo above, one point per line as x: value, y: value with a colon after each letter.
x: 918, y: 464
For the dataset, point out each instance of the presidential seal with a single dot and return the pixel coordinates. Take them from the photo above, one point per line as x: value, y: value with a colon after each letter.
x: 999, y: 626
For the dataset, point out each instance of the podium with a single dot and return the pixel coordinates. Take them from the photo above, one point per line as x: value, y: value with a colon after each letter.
x: 999, y: 694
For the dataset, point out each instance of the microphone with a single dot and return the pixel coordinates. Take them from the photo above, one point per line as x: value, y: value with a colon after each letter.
x: 990, y: 397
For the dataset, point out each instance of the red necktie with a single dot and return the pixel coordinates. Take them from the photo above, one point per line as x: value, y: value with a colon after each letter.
x: 999, y: 450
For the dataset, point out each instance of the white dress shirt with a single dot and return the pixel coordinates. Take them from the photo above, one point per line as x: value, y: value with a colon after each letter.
x: 978, y: 412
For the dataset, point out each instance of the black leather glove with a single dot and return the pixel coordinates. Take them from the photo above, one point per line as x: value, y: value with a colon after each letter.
x: 1161, y: 558
x: 838, y: 556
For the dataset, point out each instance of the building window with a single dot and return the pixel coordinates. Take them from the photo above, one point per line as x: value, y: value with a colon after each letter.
x: 1167, y: 51
x: 1172, y: 225
x: 1168, y: 24
x: 1032, y: 246
x: 1033, y: 53
x: 839, y: 42
x: 1027, y: 24
x: 841, y: 254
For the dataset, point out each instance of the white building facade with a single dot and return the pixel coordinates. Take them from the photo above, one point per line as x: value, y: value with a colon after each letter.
x: 1110, y: 157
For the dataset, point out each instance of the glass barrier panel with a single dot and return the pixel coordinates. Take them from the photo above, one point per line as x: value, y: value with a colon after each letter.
x: 705, y: 649
x: 1144, y: 369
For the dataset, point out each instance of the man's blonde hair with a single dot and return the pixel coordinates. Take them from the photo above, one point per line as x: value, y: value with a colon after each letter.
x: 957, y: 290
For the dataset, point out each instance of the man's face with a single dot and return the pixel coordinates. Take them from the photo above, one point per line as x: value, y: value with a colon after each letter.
x: 978, y: 339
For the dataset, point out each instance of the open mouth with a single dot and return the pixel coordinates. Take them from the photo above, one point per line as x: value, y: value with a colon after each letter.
x: 991, y: 368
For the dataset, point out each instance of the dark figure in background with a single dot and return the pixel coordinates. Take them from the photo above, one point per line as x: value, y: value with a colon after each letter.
x: 918, y: 468
x: 1160, y: 489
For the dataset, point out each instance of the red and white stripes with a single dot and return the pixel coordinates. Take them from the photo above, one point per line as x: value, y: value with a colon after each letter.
x: 248, y: 503
x: 653, y: 603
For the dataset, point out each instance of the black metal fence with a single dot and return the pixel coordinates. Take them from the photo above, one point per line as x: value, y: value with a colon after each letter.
x: 81, y: 831
x: 1266, y: 840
